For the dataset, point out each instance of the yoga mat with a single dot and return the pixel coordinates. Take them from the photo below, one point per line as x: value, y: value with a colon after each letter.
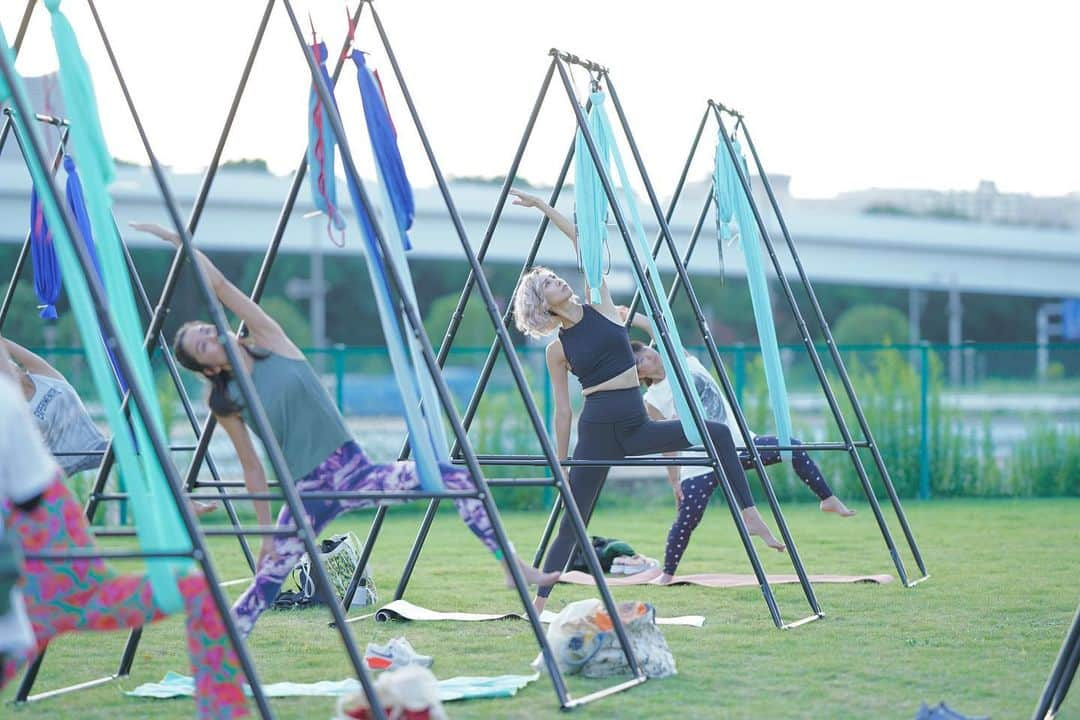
x: 456, y: 688
x: 720, y: 580
x: 405, y: 610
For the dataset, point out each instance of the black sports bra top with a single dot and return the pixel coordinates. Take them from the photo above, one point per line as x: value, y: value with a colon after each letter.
x: 596, y: 348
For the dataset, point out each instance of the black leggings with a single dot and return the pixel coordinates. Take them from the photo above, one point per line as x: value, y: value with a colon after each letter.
x: 613, y: 425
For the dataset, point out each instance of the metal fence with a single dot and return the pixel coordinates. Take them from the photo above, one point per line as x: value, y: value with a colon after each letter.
x: 934, y: 408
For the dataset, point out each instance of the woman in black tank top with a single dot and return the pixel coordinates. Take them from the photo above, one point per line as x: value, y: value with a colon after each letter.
x: 594, y: 346
x: 284, y: 380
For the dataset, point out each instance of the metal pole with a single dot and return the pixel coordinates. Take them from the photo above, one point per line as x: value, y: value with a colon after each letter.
x: 191, y: 477
x: 710, y: 344
x: 879, y: 461
x: 413, y: 317
x: 160, y: 449
x: 304, y: 532
x: 924, y: 421
x: 475, y: 273
x: 157, y: 319
x: 1061, y: 674
x: 661, y: 330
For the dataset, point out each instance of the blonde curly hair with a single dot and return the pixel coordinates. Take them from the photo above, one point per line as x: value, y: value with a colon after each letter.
x: 532, y: 315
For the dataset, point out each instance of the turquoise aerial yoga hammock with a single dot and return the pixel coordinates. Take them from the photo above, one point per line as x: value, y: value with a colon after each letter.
x: 733, y: 209
x: 426, y: 433
x: 590, y: 203
x: 589, y: 173
x: 157, y: 520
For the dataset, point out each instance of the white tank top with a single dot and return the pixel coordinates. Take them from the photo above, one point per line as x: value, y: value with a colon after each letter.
x: 65, y: 424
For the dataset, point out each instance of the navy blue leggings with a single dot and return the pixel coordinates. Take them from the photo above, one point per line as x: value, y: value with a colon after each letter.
x: 697, y: 491
x: 613, y: 424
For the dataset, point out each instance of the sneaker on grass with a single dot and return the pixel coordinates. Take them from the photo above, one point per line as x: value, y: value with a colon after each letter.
x: 395, y: 654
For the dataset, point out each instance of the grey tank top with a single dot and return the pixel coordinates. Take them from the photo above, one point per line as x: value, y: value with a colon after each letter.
x: 303, y: 418
x: 65, y: 424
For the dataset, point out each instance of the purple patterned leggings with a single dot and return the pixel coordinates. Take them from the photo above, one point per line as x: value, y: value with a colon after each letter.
x: 348, y: 469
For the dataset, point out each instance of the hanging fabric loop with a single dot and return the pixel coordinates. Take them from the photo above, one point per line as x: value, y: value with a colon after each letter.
x: 731, y: 199
x: 590, y: 202
x: 422, y: 406
x: 587, y: 173
x: 322, y: 147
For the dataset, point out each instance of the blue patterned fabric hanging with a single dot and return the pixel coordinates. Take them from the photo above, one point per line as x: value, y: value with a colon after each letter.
x: 77, y: 204
x: 48, y: 281
x: 322, y: 146
x: 422, y: 437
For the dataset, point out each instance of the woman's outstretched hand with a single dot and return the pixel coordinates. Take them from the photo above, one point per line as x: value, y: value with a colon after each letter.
x: 158, y: 231
x: 525, y: 199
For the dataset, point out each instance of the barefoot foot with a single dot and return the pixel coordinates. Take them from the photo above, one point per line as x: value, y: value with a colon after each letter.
x: 532, y: 575
x: 832, y: 504
x: 755, y: 525
x: 203, y: 508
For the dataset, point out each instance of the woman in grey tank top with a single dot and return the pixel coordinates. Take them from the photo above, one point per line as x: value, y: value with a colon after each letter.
x: 320, y: 453
x: 66, y: 426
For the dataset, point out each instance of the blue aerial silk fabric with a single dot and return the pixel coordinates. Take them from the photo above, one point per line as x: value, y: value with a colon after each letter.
x: 590, y: 202
x: 427, y: 430
x: 76, y: 201
x: 321, y: 152
x: 605, y: 142
x: 48, y: 280
x: 731, y: 195
x: 157, y: 518
x: 421, y: 433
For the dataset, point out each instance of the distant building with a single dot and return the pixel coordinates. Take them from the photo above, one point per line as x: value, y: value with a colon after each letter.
x: 985, y: 204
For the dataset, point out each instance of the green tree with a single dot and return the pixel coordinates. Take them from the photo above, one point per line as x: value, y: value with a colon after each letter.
x: 292, y: 321
x: 475, y: 330
x: 870, y: 325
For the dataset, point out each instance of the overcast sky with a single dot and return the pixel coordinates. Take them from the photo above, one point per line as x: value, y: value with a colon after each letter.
x: 840, y: 95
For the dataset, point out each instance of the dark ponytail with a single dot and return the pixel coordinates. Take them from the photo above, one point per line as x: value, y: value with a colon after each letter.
x: 221, y: 400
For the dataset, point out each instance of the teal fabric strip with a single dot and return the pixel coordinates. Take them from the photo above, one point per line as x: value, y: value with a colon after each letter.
x: 424, y: 382
x: 590, y: 202
x: 456, y: 688
x: 427, y: 464
x: 730, y: 188
x: 652, y: 272
x: 157, y: 520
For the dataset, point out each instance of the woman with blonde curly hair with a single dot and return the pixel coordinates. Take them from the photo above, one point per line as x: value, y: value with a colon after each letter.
x: 594, y: 345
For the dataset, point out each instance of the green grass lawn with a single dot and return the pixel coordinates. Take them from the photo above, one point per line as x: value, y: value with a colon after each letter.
x: 981, y: 634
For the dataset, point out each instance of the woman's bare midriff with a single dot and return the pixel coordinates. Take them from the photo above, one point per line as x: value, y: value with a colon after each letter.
x: 628, y: 378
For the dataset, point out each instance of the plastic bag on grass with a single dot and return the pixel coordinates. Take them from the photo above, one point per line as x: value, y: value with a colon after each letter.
x: 584, y: 642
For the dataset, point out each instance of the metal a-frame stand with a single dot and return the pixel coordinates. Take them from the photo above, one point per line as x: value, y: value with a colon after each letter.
x: 1061, y: 675
x: 850, y: 445
x: 560, y: 62
x: 462, y: 448
x: 97, y: 493
x: 34, y: 153
x: 303, y: 531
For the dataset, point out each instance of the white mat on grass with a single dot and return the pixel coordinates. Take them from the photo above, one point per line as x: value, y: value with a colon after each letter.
x: 405, y: 610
